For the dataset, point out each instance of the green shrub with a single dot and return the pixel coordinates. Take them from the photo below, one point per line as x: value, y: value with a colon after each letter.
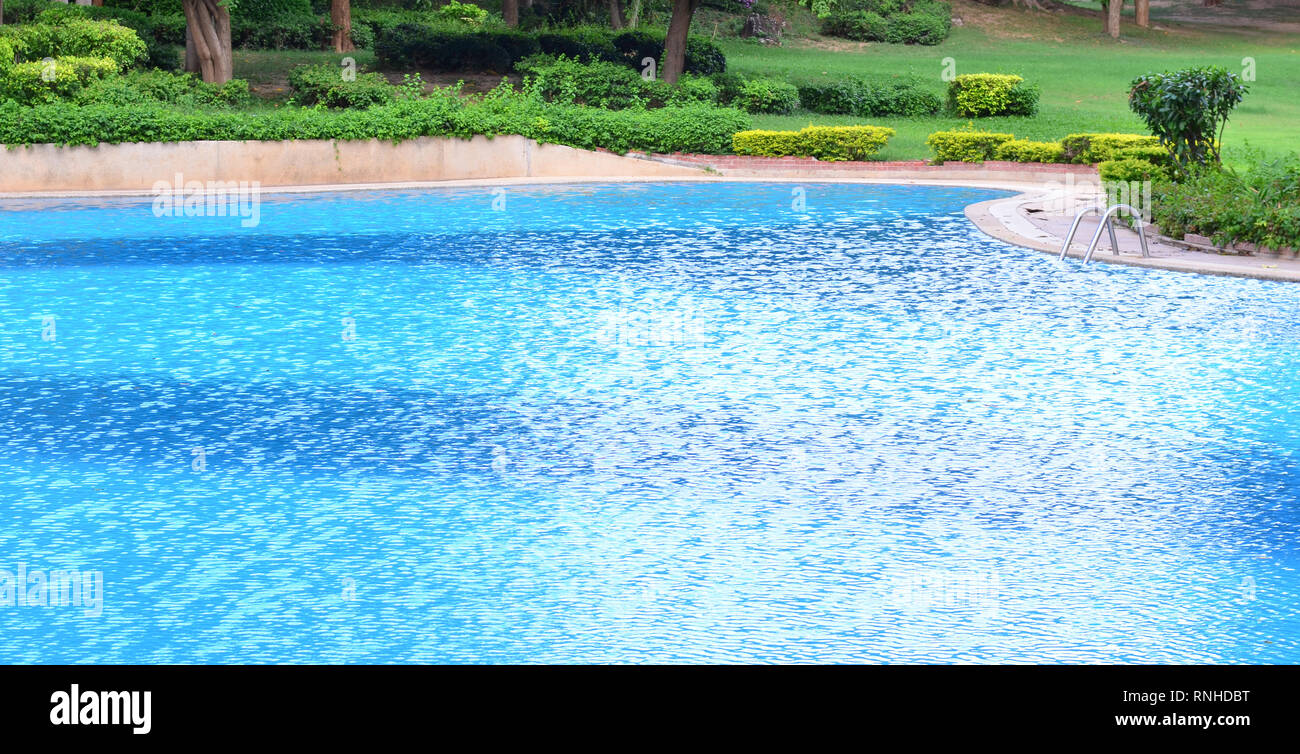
x: 696, y: 128
x: 463, y: 12
x: 325, y: 85
x: 689, y: 90
x: 27, y: 83
x: 856, y: 96
x: 828, y: 143
x: 78, y: 38
x: 1089, y: 149
x: 1130, y: 170
x: 152, y: 87
x: 1020, y: 150
x: 598, y: 84
x: 8, y: 53
x: 771, y: 96
x: 1154, y: 155
x: 966, y: 146
x: 1260, y: 206
x: 1188, y: 109
x: 978, y: 95
x: 270, y: 11
x: 901, y: 22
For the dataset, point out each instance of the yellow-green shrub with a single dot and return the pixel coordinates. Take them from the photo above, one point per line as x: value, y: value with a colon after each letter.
x: 1022, y: 150
x: 1093, y: 148
x: 827, y: 143
x: 79, y: 38
x: 978, y: 95
x: 966, y: 146
x: 1131, y: 170
x: 26, y: 82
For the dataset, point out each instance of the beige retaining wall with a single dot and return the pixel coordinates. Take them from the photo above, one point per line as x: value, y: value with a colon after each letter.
x: 136, y: 167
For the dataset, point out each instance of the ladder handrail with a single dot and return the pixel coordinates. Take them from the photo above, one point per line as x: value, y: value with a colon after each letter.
x: 1108, y: 223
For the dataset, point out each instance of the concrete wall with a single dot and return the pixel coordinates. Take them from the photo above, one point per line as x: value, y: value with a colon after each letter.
x: 136, y: 167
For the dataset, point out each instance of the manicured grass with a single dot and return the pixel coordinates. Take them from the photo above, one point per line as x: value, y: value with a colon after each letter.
x: 1084, y: 76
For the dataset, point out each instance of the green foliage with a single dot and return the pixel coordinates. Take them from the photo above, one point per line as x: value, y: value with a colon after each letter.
x: 1188, y: 109
x: 689, y: 90
x: 459, y: 49
x: 966, y: 146
x: 978, y: 95
x: 79, y: 38
x: 925, y: 22
x: 1131, y: 170
x: 1260, y: 207
x: 326, y: 85
x: 768, y: 96
x: 463, y: 12
x: 158, y: 87
x: 598, y: 84
x: 694, y: 128
x: 42, y: 81
x: 863, y: 98
x: 1021, y: 150
x: 828, y: 143
x: 1087, y: 149
x: 270, y: 11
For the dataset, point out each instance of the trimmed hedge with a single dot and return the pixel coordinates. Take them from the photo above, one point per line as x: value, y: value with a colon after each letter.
x: 966, y: 146
x: 979, y: 95
x: 695, y: 128
x: 1131, y: 170
x: 863, y: 98
x: 827, y: 143
x: 443, y: 49
x: 26, y: 82
x: 1021, y: 150
x: 1093, y: 148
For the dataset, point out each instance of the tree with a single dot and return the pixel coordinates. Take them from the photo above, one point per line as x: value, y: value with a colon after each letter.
x: 341, y: 18
x: 679, y: 25
x: 616, y: 19
x: 1142, y: 13
x: 1113, y: 8
x: 1188, y: 110
x: 207, y: 39
x: 510, y: 11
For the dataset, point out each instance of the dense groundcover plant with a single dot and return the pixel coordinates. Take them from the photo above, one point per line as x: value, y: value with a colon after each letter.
x: 1260, y: 206
x: 1187, y: 110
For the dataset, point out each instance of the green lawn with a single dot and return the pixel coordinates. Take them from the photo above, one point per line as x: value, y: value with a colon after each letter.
x: 1084, y: 77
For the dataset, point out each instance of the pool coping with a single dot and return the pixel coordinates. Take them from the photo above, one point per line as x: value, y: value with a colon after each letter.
x: 1005, y: 219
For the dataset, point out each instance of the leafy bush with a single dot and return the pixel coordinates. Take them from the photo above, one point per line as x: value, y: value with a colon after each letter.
x: 966, y: 146
x: 39, y: 81
x: 599, y: 84
x: 1087, y: 149
x: 463, y: 12
x: 925, y: 22
x: 77, y: 38
x: 1261, y: 206
x: 977, y: 95
x: 1131, y: 170
x: 151, y: 87
x: 1188, y: 110
x: 829, y: 143
x: 695, y: 128
x: 454, y: 49
x: 324, y: 85
x: 856, y: 96
x: 270, y: 11
x: 768, y: 96
x: 690, y: 89
x: 1020, y: 150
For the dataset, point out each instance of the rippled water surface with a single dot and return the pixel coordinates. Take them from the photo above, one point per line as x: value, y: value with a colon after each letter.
x: 632, y: 423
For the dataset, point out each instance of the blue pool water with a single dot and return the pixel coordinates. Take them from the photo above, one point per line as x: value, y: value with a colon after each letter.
x: 636, y: 423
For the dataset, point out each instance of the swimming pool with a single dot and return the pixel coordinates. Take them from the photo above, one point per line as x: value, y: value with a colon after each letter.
x: 654, y: 422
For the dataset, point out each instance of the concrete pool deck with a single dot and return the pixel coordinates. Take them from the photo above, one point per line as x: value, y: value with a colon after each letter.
x: 1038, y: 217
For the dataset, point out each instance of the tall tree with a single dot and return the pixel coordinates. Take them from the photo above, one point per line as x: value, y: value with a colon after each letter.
x: 679, y: 25
x: 510, y: 11
x: 341, y: 18
x: 2, y: 11
x: 207, y: 40
x: 616, y: 19
x: 1142, y: 13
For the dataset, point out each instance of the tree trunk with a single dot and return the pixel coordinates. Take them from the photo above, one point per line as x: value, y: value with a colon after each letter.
x: 207, y: 33
x: 510, y: 11
x: 341, y: 18
x: 1142, y: 13
x: 675, y: 43
x: 2, y: 11
x: 1112, y: 17
x: 616, y: 20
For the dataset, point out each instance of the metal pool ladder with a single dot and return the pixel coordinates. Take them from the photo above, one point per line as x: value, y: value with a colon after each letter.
x: 1107, y: 222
